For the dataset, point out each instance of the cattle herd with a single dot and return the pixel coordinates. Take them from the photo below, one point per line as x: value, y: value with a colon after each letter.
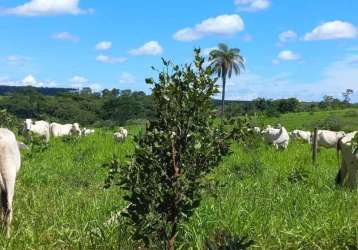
x: 343, y: 142
x: 279, y: 137
x: 10, y: 160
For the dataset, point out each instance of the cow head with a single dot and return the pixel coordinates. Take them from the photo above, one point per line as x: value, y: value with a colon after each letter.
x: 75, y: 130
x: 28, y: 123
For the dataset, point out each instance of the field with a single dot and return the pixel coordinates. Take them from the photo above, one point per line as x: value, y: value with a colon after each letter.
x: 277, y: 199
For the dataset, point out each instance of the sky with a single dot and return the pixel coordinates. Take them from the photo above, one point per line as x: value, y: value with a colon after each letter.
x: 303, y: 49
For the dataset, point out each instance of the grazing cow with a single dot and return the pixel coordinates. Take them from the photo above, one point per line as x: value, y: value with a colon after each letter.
x: 10, y: 162
x: 328, y: 139
x: 276, y: 136
x: 59, y: 130
x: 349, y: 160
x: 300, y: 134
x: 123, y: 131
x: 257, y: 130
x: 87, y: 131
x: 119, y: 137
x: 41, y: 128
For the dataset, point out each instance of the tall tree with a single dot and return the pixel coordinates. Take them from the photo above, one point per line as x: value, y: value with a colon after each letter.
x: 225, y: 61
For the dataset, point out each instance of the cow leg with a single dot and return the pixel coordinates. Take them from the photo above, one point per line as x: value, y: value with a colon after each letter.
x: 3, y: 204
x: 341, y: 173
x: 6, y: 200
x: 352, y: 175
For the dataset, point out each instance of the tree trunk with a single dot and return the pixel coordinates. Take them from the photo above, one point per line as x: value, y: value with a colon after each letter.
x: 173, y: 235
x: 223, y: 97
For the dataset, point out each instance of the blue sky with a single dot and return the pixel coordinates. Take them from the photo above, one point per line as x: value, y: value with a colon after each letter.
x: 295, y: 48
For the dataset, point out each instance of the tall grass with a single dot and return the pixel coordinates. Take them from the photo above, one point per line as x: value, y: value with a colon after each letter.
x: 276, y: 198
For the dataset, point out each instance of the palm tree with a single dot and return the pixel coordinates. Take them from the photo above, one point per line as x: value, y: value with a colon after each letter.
x: 225, y: 61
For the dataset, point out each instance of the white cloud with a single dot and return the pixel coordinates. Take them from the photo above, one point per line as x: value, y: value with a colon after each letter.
x: 126, y: 78
x: 287, y: 36
x: 96, y: 87
x: 30, y: 80
x: 111, y: 60
x: 78, y: 79
x: 288, y: 55
x: 16, y: 60
x: 151, y: 48
x: 220, y: 25
x: 65, y: 36
x: 104, y: 45
x: 332, y: 30
x: 252, y: 5
x: 47, y: 8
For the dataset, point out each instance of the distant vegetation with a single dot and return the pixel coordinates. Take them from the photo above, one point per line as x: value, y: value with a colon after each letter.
x: 85, y: 107
x: 5, y: 90
x: 112, y: 107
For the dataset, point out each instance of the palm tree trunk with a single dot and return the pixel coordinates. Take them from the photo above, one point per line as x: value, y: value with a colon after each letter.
x: 223, y: 97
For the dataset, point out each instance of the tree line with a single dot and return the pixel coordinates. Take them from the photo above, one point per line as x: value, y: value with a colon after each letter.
x: 107, y: 108
x: 113, y: 107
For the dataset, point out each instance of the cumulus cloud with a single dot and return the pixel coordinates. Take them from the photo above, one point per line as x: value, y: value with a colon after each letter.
x: 16, y: 60
x: 287, y: 36
x: 65, y: 36
x: 104, y: 45
x: 286, y: 55
x: 96, y: 87
x: 110, y: 60
x: 332, y: 30
x: 151, y: 48
x: 220, y: 25
x: 47, y: 8
x: 126, y: 78
x: 78, y: 79
x: 252, y: 5
x: 30, y: 80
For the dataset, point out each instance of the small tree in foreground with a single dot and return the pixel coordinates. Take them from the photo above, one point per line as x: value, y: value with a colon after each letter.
x: 178, y: 148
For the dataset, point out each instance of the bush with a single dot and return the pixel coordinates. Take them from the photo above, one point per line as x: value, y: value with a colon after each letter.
x: 179, y: 147
x: 332, y: 122
x: 351, y: 113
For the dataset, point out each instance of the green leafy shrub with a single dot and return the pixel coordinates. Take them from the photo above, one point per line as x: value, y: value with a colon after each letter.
x: 179, y: 147
x: 7, y: 120
x: 333, y: 122
x: 351, y: 113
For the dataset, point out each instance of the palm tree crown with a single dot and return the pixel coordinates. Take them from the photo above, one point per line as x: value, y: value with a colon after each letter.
x: 225, y: 61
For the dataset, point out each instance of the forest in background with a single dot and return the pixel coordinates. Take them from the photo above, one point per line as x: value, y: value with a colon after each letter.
x: 112, y: 107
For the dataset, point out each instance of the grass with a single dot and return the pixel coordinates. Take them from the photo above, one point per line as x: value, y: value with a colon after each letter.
x: 348, y: 119
x: 276, y: 198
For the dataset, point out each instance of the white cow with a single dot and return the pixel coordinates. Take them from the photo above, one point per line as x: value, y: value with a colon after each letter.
x: 302, y: 135
x: 123, y: 131
x: 87, y: 131
x: 59, y: 130
x: 276, y: 136
x: 257, y: 130
x: 41, y: 128
x: 328, y: 139
x: 119, y: 137
x: 10, y: 162
x: 349, y: 161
